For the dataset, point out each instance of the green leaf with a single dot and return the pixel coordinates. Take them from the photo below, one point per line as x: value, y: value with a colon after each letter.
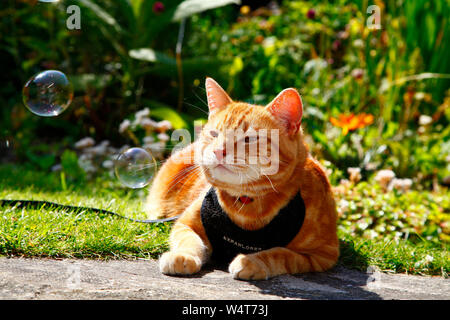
x: 430, y: 24
x: 126, y: 9
x: 151, y: 24
x: 44, y: 162
x: 70, y: 167
x: 189, y: 7
x: 102, y: 14
x: 148, y: 54
x: 136, y: 5
x: 236, y: 67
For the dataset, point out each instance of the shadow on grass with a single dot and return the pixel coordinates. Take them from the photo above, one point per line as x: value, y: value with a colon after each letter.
x: 350, y: 257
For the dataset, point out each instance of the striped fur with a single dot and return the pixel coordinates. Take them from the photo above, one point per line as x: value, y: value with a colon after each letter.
x: 180, y: 186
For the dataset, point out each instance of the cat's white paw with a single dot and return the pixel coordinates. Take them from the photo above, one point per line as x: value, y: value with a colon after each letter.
x: 248, y: 267
x: 179, y: 263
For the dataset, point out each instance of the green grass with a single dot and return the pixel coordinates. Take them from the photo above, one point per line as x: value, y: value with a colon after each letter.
x: 52, y: 232
x: 423, y: 258
x: 56, y: 233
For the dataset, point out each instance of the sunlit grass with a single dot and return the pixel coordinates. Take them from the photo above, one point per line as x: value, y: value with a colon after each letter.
x: 424, y: 258
x: 55, y: 232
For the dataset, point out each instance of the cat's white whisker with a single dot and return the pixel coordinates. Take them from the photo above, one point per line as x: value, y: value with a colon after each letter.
x: 193, y: 105
x: 180, y: 175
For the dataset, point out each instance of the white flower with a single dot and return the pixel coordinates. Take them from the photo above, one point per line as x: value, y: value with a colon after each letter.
x: 425, y: 120
x: 315, y: 91
x: 407, y: 183
x: 86, y: 164
x: 149, y: 139
x: 358, y: 43
x: 419, y: 95
x: 370, y: 166
x: 383, y: 177
x: 343, y: 205
x: 355, y: 174
x: 148, y: 123
x: 163, y: 137
x: 85, y: 157
x: 124, y: 126
x: 164, y: 125
x: 142, y: 113
x: 344, y: 182
x: 357, y: 73
x: 269, y: 42
x: 99, y: 150
x: 108, y: 164
x: 425, y: 261
x: 401, y: 184
x: 85, y: 143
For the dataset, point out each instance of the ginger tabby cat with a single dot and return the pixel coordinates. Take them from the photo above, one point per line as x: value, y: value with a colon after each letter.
x: 291, y: 213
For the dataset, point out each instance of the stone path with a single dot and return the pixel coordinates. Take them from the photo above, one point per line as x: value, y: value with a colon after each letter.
x: 119, y: 279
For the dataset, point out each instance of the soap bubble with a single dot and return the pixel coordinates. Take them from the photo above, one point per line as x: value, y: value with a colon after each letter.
x: 48, y: 93
x: 48, y: 0
x: 135, y: 168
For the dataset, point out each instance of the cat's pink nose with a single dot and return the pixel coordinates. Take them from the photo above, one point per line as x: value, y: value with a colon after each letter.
x: 220, y: 154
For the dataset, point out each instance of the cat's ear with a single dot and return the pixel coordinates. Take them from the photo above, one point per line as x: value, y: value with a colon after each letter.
x: 217, y: 97
x: 287, y: 107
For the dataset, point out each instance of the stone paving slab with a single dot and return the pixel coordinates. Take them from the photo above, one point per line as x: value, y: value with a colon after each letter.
x: 123, y: 279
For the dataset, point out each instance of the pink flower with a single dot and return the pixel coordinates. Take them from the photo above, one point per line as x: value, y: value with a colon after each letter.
x: 357, y: 73
x: 158, y: 7
x: 311, y: 14
x: 337, y: 44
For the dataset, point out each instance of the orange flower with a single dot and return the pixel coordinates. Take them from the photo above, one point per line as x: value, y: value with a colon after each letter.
x: 245, y: 10
x: 352, y: 122
x: 259, y: 39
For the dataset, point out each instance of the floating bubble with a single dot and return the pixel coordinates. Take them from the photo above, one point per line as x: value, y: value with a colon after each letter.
x: 48, y: 93
x: 48, y: 1
x: 135, y: 168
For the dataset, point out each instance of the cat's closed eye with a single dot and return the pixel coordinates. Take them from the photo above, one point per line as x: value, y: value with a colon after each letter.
x: 214, y: 133
x: 250, y: 139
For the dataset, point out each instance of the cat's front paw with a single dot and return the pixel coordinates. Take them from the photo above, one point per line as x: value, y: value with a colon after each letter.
x: 179, y: 263
x: 248, y: 267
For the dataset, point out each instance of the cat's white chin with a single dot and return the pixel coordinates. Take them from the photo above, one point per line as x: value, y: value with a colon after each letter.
x: 224, y: 174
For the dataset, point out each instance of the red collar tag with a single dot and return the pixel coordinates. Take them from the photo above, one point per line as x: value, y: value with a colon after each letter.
x: 245, y: 199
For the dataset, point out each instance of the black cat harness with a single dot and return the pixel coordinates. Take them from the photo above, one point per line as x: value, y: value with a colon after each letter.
x: 228, y: 240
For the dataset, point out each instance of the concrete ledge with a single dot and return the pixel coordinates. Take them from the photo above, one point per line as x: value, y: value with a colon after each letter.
x: 119, y: 279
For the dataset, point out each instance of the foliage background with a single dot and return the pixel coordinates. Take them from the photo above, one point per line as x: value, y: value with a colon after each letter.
x: 340, y: 66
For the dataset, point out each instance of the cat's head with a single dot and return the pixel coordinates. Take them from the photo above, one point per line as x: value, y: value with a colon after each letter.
x: 245, y: 148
